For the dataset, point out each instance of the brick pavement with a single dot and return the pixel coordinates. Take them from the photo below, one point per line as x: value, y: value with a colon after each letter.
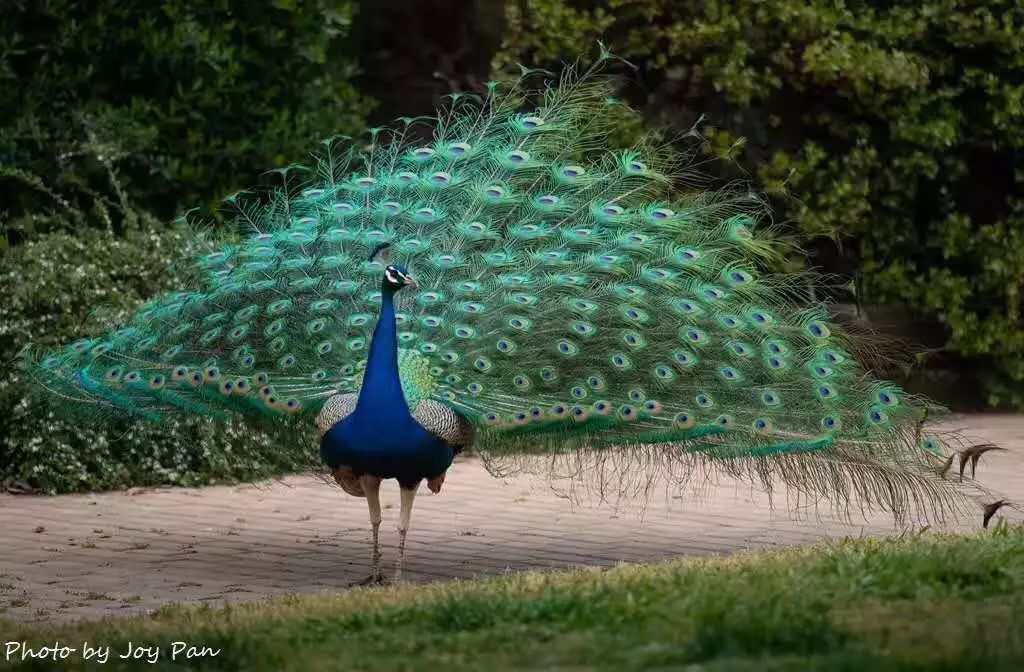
x: 88, y: 556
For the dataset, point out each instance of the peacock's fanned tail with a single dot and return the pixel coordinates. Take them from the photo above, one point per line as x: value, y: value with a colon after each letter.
x: 573, y: 296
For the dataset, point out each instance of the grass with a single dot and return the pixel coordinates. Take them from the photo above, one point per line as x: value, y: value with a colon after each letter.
x: 922, y: 602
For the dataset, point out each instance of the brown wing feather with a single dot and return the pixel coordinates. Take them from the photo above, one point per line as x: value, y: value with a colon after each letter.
x: 445, y: 423
x: 348, y: 481
x: 334, y: 410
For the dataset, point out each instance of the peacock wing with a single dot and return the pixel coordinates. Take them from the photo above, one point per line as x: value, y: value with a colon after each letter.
x: 334, y: 410
x: 444, y: 423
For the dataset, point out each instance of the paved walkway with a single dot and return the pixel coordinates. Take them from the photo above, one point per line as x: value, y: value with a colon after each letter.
x: 73, y: 557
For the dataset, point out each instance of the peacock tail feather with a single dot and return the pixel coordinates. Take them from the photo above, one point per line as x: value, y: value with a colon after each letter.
x: 572, y: 296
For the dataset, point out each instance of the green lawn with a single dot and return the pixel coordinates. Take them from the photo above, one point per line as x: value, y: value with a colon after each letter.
x: 926, y: 602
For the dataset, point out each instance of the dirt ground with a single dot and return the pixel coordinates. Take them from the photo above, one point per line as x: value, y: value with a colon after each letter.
x: 88, y: 556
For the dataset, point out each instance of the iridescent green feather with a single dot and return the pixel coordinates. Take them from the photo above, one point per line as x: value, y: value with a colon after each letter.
x: 570, y: 298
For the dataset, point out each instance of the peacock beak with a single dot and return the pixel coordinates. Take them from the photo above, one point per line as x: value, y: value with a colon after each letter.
x: 409, y: 282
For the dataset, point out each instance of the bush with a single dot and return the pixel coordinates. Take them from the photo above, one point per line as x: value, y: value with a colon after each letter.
x: 52, y: 285
x: 161, y: 105
x: 124, y: 113
x: 889, y: 132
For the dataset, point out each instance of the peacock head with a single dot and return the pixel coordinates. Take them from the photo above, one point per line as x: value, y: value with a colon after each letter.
x: 395, y: 276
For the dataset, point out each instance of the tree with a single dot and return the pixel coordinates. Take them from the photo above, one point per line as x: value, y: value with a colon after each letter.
x: 131, y: 105
x: 890, y: 134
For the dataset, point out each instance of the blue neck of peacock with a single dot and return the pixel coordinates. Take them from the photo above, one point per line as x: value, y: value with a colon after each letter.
x: 382, y: 388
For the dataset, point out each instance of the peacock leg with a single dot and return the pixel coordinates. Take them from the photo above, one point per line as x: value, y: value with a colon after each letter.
x: 408, y: 495
x: 371, y: 486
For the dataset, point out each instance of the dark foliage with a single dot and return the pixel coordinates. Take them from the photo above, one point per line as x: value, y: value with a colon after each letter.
x: 889, y: 133
x: 125, y: 105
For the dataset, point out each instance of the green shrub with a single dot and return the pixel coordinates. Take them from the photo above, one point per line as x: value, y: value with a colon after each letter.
x: 121, y: 109
x: 52, y: 285
x: 891, y: 132
x: 163, y: 105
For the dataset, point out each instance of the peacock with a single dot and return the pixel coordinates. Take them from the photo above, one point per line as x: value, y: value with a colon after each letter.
x: 505, y: 277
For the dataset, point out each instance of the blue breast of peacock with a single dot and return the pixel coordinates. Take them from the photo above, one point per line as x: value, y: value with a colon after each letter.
x: 380, y: 436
